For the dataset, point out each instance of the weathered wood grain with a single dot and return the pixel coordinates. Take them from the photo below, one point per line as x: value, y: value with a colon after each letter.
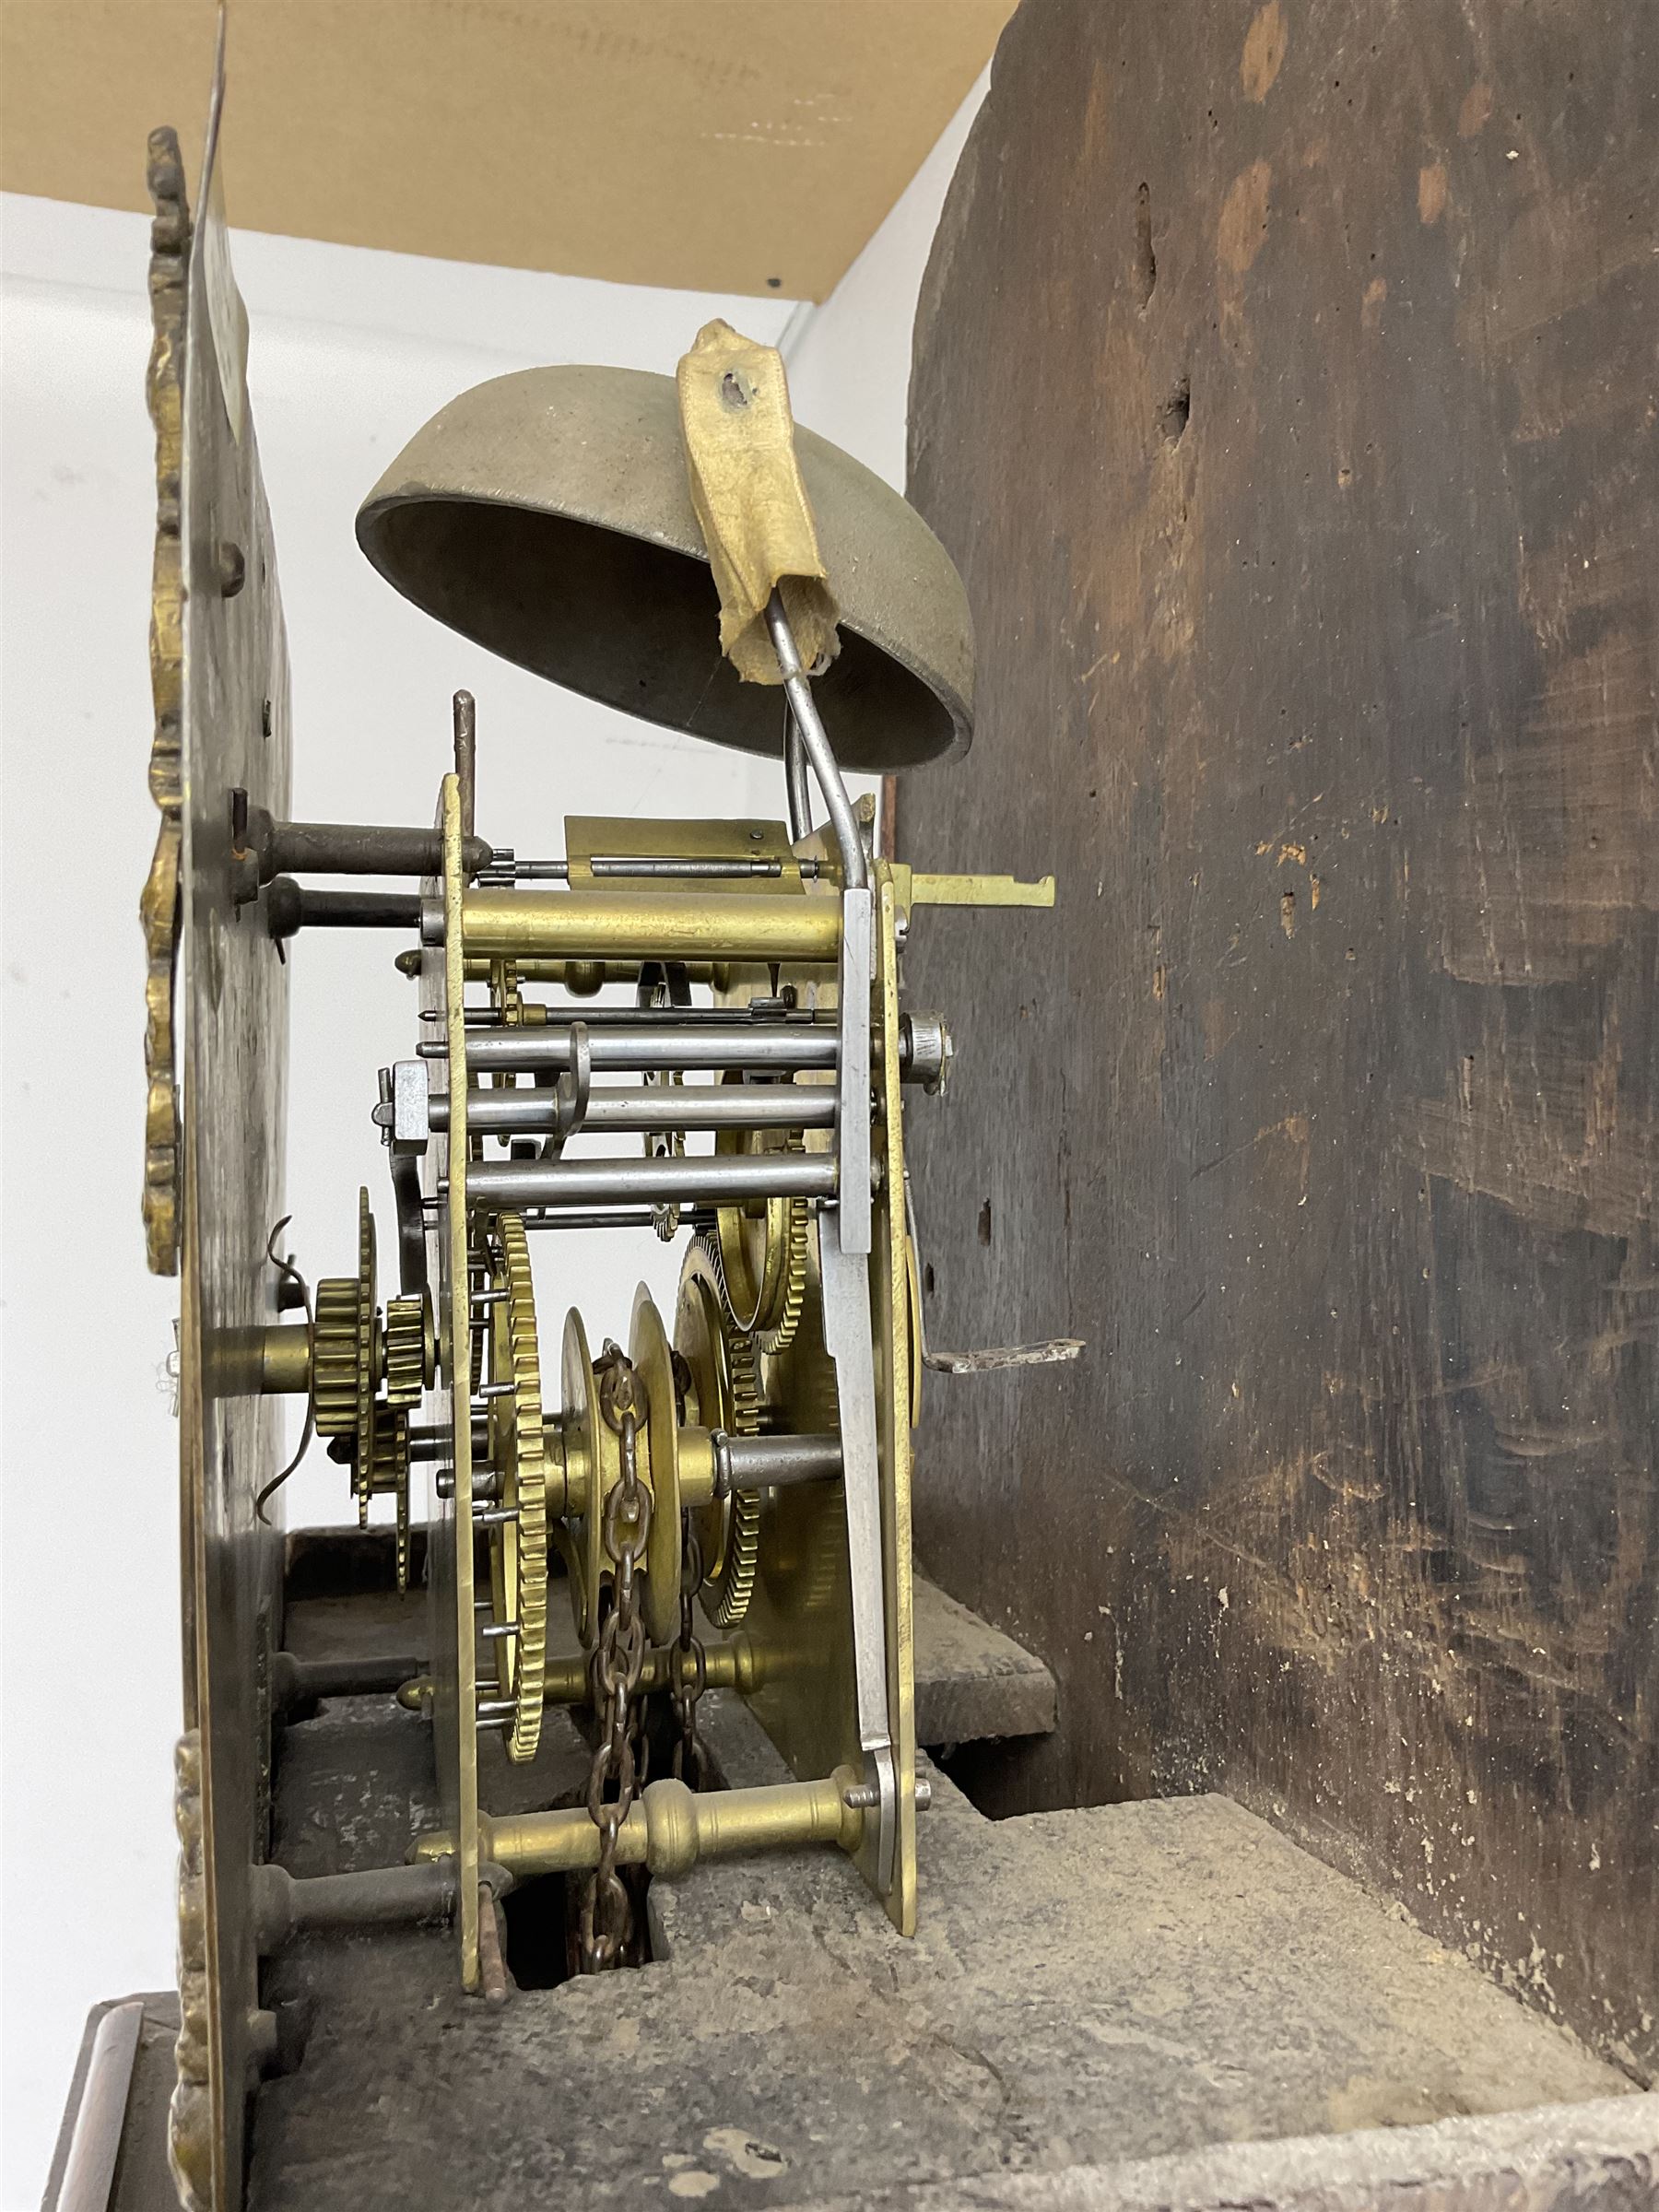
x: 974, y: 1684
x: 1285, y: 387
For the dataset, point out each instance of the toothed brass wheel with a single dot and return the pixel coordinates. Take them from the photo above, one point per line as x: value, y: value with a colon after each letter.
x: 390, y: 1475
x: 347, y: 1354
x: 409, y: 1349
x: 761, y: 1255
x: 722, y: 1392
x: 369, y: 1361
x: 518, y: 1548
x: 345, y: 1344
x: 354, y: 1354
x: 777, y: 1333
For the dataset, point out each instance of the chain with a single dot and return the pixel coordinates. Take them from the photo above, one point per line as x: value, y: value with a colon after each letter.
x: 689, y: 1664
x: 606, y: 1924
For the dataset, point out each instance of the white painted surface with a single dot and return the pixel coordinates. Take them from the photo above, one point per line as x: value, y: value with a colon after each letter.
x: 350, y: 351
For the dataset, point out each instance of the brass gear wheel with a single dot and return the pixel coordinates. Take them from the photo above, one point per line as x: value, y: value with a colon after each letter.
x: 408, y: 1351
x: 761, y: 1262
x: 353, y: 1354
x: 344, y: 1343
x: 518, y: 1548
x: 334, y: 1356
x: 390, y: 1475
x: 728, y: 1593
x: 724, y: 1392
x: 346, y: 1359
x: 780, y: 1332
x: 367, y: 1361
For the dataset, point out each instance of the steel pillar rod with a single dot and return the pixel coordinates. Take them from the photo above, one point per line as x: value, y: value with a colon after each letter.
x: 644, y: 867
x: 286, y: 1905
x: 638, y: 1218
x: 284, y: 848
x: 638, y: 1050
x: 430, y: 1442
x: 738, y: 1020
x: 297, y: 1681
x: 703, y: 1106
x: 291, y: 907
x: 718, y: 1180
x: 758, y: 1463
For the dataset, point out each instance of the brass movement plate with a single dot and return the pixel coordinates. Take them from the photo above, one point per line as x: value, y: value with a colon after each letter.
x: 453, y: 1631
x: 234, y: 733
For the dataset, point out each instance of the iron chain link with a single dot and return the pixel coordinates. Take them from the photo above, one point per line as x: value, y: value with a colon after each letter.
x: 606, y: 1917
x: 687, y: 1665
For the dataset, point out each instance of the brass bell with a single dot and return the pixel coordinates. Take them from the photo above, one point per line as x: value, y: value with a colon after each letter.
x: 548, y: 516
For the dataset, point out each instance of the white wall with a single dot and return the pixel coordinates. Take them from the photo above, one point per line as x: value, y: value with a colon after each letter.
x: 351, y: 350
